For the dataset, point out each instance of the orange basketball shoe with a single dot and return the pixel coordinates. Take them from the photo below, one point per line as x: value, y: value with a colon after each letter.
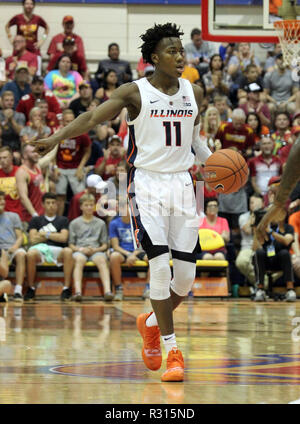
x: 151, y: 351
x: 175, y: 366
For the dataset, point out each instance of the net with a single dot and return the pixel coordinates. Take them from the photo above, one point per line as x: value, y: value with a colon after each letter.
x: 288, y: 32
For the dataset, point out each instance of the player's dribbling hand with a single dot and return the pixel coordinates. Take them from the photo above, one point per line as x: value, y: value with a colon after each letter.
x: 275, y: 214
x: 43, y: 146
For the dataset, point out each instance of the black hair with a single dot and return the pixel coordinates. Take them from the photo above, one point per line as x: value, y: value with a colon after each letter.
x: 195, y: 31
x: 33, y: 1
x: 208, y: 200
x: 2, y: 194
x: 153, y: 36
x: 212, y: 58
x: 112, y: 45
x: 105, y: 78
x: 258, y: 130
x: 60, y: 58
x: 49, y: 196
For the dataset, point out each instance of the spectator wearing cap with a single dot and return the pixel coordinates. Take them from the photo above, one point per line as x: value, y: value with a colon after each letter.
x: 20, y: 85
x: 92, y: 182
x: 11, y: 123
x: 264, y: 166
x: 28, y: 26
x: 78, y: 61
x: 63, y: 82
x: 27, y: 102
x: 199, y: 52
x: 21, y: 57
x: 56, y: 44
x: 284, y: 152
x: 115, y: 152
x: 253, y: 103
x: 121, y: 67
x: 72, y: 156
x: 81, y: 104
x: 280, y: 88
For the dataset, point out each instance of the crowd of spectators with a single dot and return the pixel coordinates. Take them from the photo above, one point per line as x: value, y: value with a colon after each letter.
x: 248, y: 105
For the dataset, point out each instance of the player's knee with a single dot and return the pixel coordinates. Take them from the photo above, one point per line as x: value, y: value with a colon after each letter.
x: 160, y: 277
x: 184, y: 277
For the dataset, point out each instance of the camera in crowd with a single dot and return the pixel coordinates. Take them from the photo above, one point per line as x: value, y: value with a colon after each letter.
x: 259, y: 214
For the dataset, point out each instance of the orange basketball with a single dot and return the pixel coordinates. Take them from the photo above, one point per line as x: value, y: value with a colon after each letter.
x: 226, y: 171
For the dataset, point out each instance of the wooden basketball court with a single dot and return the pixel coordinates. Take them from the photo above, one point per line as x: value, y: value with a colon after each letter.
x: 66, y: 353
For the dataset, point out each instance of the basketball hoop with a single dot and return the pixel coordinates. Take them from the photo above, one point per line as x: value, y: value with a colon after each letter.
x: 288, y: 32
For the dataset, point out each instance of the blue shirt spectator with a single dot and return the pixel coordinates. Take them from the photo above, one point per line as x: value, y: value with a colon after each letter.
x: 118, y: 228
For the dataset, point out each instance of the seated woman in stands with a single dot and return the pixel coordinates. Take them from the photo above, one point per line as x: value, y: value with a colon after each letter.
x: 63, y: 82
x: 213, y: 222
x: 253, y: 120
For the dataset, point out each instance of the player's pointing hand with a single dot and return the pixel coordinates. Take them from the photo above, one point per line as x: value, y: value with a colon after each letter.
x: 43, y: 146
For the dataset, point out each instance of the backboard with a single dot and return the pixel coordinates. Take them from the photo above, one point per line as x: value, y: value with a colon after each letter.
x: 245, y: 20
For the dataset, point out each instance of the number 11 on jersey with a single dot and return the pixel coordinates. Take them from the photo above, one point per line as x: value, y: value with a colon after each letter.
x: 168, y: 129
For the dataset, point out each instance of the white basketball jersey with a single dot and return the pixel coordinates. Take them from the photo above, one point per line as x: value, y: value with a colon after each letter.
x: 160, y: 137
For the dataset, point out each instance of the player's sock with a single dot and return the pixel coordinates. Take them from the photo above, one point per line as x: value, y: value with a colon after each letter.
x: 151, y: 320
x: 65, y: 287
x: 18, y: 289
x: 32, y: 288
x: 169, y: 342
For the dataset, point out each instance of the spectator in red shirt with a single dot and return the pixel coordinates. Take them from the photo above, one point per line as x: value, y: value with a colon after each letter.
x: 264, y: 166
x: 106, y: 165
x: 49, y: 118
x: 56, y: 44
x: 253, y: 103
x: 72, y: 155
x: 8, y: 182
x: 78, y: 61
x: 283, y: 153
x: 236, y: 134
x: 27, y: 102
x: 21, y: 56
x: 28, y: 25
x: 30, y: 184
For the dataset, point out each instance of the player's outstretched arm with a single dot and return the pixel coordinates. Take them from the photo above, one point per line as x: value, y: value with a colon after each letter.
x: 120, y: 98
x: 200, y: 146
x: 289, y: 180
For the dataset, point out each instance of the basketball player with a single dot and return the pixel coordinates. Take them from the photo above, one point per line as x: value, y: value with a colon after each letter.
x: 163, y: 124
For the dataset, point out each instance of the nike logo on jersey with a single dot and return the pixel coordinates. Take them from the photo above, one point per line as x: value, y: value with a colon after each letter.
x: 188, y: 184
x: 154, y: 101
